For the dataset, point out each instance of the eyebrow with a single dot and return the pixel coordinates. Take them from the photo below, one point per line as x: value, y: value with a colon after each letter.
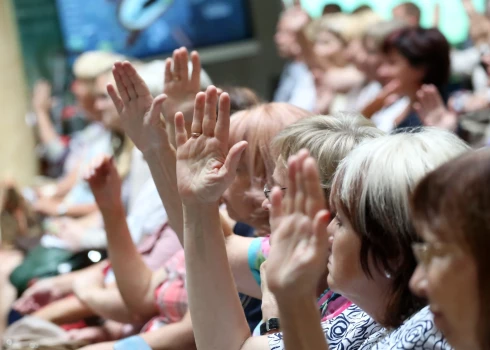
x: 276, y: 183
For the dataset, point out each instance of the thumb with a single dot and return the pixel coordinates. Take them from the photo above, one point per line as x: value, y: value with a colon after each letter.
x: 156, y: 111
x: 233, y: 158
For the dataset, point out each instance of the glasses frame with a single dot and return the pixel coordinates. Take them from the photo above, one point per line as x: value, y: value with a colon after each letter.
x: 267, y: 191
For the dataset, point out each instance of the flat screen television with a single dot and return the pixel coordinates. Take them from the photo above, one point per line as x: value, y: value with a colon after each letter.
x: 149, y: 28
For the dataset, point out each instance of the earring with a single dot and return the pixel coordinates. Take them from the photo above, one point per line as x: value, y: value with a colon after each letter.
x: 387, y: 274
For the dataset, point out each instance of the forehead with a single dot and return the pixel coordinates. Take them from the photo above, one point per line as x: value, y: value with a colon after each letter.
x: 280, y: 174
x: 101, y: 82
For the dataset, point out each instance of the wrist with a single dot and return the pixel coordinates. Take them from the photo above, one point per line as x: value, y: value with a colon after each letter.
x: 115, y: 211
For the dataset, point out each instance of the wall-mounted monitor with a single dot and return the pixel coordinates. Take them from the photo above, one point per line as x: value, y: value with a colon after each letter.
x: 148, y: 28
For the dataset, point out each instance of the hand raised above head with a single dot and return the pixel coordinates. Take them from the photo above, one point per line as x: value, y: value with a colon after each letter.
x: 299, y: 242
x: 140, y: 113
x: 181, y: 88
x: 205, y: 164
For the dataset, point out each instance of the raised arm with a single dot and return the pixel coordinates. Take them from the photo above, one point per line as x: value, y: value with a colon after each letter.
x: 142, y: 122
x: 205, y: 169
x: 135, y: 280
x: 298, y: 255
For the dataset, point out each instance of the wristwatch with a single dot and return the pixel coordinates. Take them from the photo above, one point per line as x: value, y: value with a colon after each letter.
x: 272, y: 324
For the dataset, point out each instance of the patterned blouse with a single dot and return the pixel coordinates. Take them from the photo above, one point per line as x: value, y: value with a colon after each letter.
x: 354, y: 329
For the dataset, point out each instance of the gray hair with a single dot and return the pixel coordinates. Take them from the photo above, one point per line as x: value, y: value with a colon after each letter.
x: 372, y: 191
x: 329, y: 138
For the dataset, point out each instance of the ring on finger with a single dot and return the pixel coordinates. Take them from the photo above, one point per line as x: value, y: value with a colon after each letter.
x: 195, y: 135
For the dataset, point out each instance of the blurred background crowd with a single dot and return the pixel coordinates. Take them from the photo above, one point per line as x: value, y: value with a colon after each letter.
x: 399, y: 64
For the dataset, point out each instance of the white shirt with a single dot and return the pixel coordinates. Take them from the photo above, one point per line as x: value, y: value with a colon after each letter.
x: 385, y: 118
x: 354, y: 329
x: 297, y: 86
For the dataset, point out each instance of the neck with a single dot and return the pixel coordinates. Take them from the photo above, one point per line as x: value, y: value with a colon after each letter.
x: 372, y: 300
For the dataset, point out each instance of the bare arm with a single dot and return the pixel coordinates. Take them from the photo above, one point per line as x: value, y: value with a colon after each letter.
x: 135, y: 280
x: 150, y: 136
x: 106, y: 303
x: 205, y: 169
x: 178, y: 336
x: 67, y: 310
x: 41, y: 104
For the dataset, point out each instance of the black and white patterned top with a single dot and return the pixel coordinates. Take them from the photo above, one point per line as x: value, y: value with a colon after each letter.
x: 355, y: 330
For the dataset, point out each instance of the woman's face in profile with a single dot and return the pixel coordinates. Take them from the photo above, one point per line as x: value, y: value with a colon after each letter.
x: 447, y: 277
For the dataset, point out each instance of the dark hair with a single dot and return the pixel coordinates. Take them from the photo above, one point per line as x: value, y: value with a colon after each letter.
x: 453, y: 201
x: 426, y: 48
x: 411, y: 9
x: 361, y: 8
x: 329, y: 9
x: 241, y: 98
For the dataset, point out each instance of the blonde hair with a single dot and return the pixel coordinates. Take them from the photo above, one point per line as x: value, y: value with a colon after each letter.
x: 361, y: 22
x: 89, y: 65
x: 381, y: 31
x: 372, y: 190
x: 328, y: 138
x: 258, y: 126
x: 338, y: 24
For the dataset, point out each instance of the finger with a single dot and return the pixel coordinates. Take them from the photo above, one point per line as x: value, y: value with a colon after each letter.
x: 276, y: 203
x: 117, y: 73
x: 176, y: 61
x: 320, y: 224
x: 115, y: 98
x: 138, y: 84
x: 222, y: 129
x: 168, y: 71
x: 313, y: 189
x: 184, y: 64
x: 418, y: 109
x: 197, y: 120
x: 299, y: 199
x: 291, y: 192
x: 156, y: 111
x: 196, y: 70
x: 127, y: 82
x: 209, y: 122
x: 180, y: 133
x: 232, y: 159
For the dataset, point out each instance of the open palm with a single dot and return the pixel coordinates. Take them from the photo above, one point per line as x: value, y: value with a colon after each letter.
x: 179, y: 87
x: 299, y: 243
x: 205, y: 166
x: 140, y: 113
x: 432, y: 111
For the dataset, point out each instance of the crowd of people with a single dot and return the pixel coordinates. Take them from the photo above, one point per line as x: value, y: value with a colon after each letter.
x: 348, y: 213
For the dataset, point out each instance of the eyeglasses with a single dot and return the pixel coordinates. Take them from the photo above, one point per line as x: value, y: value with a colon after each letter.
x: 425, y: 252
x: 267, y: 191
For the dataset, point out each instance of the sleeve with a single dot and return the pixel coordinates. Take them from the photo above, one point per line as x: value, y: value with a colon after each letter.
x: 258, y: 252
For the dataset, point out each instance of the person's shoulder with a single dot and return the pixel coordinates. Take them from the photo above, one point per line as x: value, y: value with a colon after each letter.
x: 418, y: 332
x: 349, y: 329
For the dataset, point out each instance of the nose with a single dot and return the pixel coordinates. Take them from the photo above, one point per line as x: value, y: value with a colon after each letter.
x: 418, y: 282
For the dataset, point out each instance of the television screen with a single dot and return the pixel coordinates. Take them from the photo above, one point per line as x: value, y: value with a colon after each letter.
x: 142, y: 28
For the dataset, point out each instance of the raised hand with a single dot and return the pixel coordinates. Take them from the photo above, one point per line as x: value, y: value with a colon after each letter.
x: 432, y: 111
x: 299, y: 243
x: 105, y: 183
x: 205, y: 164
x: 41, y: 96
x: 179, y: 87
x: 140, y: 113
